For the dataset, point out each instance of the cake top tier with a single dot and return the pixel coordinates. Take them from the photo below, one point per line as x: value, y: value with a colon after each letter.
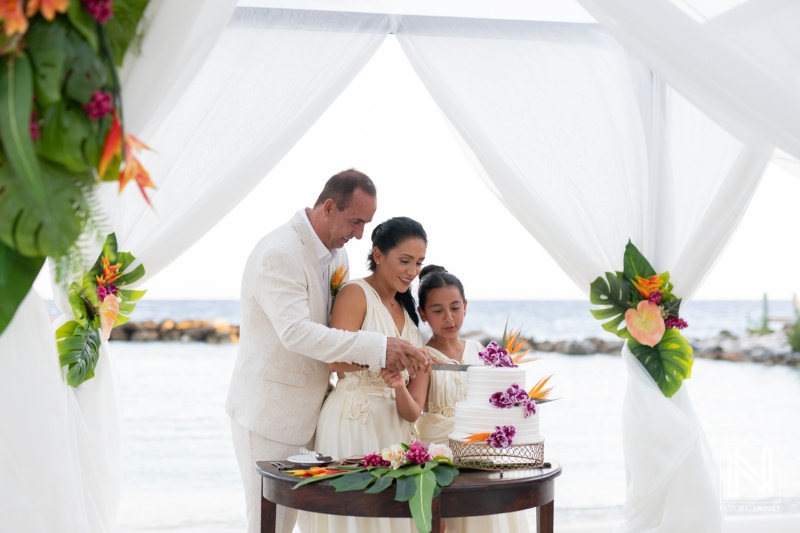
x: 483, y: 381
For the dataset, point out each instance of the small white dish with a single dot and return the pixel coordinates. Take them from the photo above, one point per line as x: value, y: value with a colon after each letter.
x: 309, y: 460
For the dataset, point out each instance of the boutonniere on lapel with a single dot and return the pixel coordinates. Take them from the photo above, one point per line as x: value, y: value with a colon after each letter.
x: 337, y: 280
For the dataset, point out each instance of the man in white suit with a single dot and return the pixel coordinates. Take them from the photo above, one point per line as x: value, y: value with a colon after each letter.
x: 281, y: 374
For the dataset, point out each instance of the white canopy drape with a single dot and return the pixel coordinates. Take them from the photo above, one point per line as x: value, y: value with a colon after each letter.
x: 597, y: 151
x: 738, y: 61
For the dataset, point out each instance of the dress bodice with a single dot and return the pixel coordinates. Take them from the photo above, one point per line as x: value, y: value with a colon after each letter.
x: 447, y: 388
x: 368, y: 383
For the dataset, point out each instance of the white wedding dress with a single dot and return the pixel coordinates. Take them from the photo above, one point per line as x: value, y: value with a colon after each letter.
x: 445, y: 389
x: 360, y: 417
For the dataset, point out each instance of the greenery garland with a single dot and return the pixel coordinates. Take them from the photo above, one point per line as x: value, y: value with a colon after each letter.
x: 61, y: 131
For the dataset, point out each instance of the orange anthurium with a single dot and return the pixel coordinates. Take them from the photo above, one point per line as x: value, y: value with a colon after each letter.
x: 645, y: 323
x: 14, y: 20
x: 110, y: 273
x: 477, y: 437
x: 112, y: 146
x: 109, y: 309
x: 48, y: 8
x: 647, y: 285
x: 133, y: 168
x: 315, y: 471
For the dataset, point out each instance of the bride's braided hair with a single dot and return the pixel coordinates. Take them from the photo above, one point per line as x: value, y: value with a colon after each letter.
x: 388, y: 235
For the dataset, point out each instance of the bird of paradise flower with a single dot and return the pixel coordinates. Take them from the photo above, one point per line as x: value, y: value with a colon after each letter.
x: 337, y: 280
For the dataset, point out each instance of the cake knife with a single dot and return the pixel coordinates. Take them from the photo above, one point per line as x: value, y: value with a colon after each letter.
x: 451, y: 368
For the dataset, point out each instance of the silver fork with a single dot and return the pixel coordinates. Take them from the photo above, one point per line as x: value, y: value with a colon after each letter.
x: 280, y: 466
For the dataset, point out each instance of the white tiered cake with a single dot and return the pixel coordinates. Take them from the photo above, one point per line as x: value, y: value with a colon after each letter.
x: 476, y: 414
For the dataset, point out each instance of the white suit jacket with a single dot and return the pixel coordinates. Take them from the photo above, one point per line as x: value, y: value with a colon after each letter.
x: 281, y: 374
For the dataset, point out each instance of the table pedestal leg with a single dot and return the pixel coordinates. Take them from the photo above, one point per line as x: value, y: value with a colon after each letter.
x: 268, y: 515
x: 436, y: 516
x: 544, y: 517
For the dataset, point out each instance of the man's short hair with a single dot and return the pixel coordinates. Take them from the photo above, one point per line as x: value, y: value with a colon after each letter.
x: 340, y: 188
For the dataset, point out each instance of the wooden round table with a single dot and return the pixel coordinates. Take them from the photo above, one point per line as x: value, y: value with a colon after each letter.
x: 472, y: 493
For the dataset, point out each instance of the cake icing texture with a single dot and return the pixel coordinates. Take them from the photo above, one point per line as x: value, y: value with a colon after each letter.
x: 477, y: 415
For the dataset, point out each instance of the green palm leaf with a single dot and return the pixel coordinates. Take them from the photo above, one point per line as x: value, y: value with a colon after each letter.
x: 421, y: 501
x: 16, y: 96
x: 612, y: 296
x: 669, y: 362
x: 635, y: 264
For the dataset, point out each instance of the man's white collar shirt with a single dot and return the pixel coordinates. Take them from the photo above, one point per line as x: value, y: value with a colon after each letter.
x: 325, y: 255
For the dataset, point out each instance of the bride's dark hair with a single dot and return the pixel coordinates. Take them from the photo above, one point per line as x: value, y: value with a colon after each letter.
x: 387, y: 236
x: 435, y: 277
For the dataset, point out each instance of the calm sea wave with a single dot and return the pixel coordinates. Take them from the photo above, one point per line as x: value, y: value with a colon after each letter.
x: 543, y: 320
x: 180, y: 473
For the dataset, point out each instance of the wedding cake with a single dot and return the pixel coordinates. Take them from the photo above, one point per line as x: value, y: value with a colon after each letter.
x: 495, y: 398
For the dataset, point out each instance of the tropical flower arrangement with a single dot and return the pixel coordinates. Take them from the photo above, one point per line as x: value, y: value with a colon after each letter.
x: 62, y: 132
x: 418, y: 470
x: 644, y: 300
x: 99, y: 303
x: 337, y: 280
x: 515, y: 396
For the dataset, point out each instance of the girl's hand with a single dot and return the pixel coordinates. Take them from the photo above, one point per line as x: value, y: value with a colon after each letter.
x: 394, y: 380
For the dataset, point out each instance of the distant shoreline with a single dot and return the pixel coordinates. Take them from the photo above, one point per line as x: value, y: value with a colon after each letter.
x: 770, y: 349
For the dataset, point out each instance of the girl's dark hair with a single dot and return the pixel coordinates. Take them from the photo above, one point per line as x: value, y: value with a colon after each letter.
x: 387, y: 236
x: 436, y: 277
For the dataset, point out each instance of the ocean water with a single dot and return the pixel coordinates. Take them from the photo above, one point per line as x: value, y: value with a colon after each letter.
x: 180, y: 473
x: 541, y: 320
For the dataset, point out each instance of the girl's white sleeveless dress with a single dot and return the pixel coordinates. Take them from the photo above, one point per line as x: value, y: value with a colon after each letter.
x: 360, y: 417
x: 445, y: 389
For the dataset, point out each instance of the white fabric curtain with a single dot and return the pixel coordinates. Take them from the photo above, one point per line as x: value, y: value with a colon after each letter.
x: 736, y: 60
x: 587, y: 148
x: 60, y: 466
x: 270, y: 77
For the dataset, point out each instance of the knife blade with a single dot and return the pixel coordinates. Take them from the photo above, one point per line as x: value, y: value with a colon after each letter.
x: 451, y: 368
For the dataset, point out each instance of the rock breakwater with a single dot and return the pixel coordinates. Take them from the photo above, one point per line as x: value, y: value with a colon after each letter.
x: 770, y: 349
x: 218, y: 331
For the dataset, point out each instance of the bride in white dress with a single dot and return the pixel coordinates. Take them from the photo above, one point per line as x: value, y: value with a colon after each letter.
x: 442, y: 305
x: 363, y: 414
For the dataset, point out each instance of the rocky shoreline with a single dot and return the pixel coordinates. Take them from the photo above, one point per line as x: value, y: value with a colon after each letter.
x: 770, y: 349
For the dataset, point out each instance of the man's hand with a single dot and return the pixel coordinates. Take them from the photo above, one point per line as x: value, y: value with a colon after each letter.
x: 401, y: 355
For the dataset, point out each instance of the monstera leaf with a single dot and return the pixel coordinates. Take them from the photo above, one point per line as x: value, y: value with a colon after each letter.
x: 78, y: 349
x: 669, y: 362
x: 35, y: 228
x: 17, y: 274
x: 49, y: 50
x: 612, y: 296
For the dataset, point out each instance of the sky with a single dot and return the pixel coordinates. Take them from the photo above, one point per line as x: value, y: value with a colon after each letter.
x: 387, y: 125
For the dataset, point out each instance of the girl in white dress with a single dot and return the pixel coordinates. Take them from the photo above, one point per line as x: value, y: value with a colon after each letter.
x: 363, y: 414
x: 442, y: 305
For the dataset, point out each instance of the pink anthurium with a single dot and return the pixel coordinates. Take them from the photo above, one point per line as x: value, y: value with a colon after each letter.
x: 645, y: 323
x: 109, y: 309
